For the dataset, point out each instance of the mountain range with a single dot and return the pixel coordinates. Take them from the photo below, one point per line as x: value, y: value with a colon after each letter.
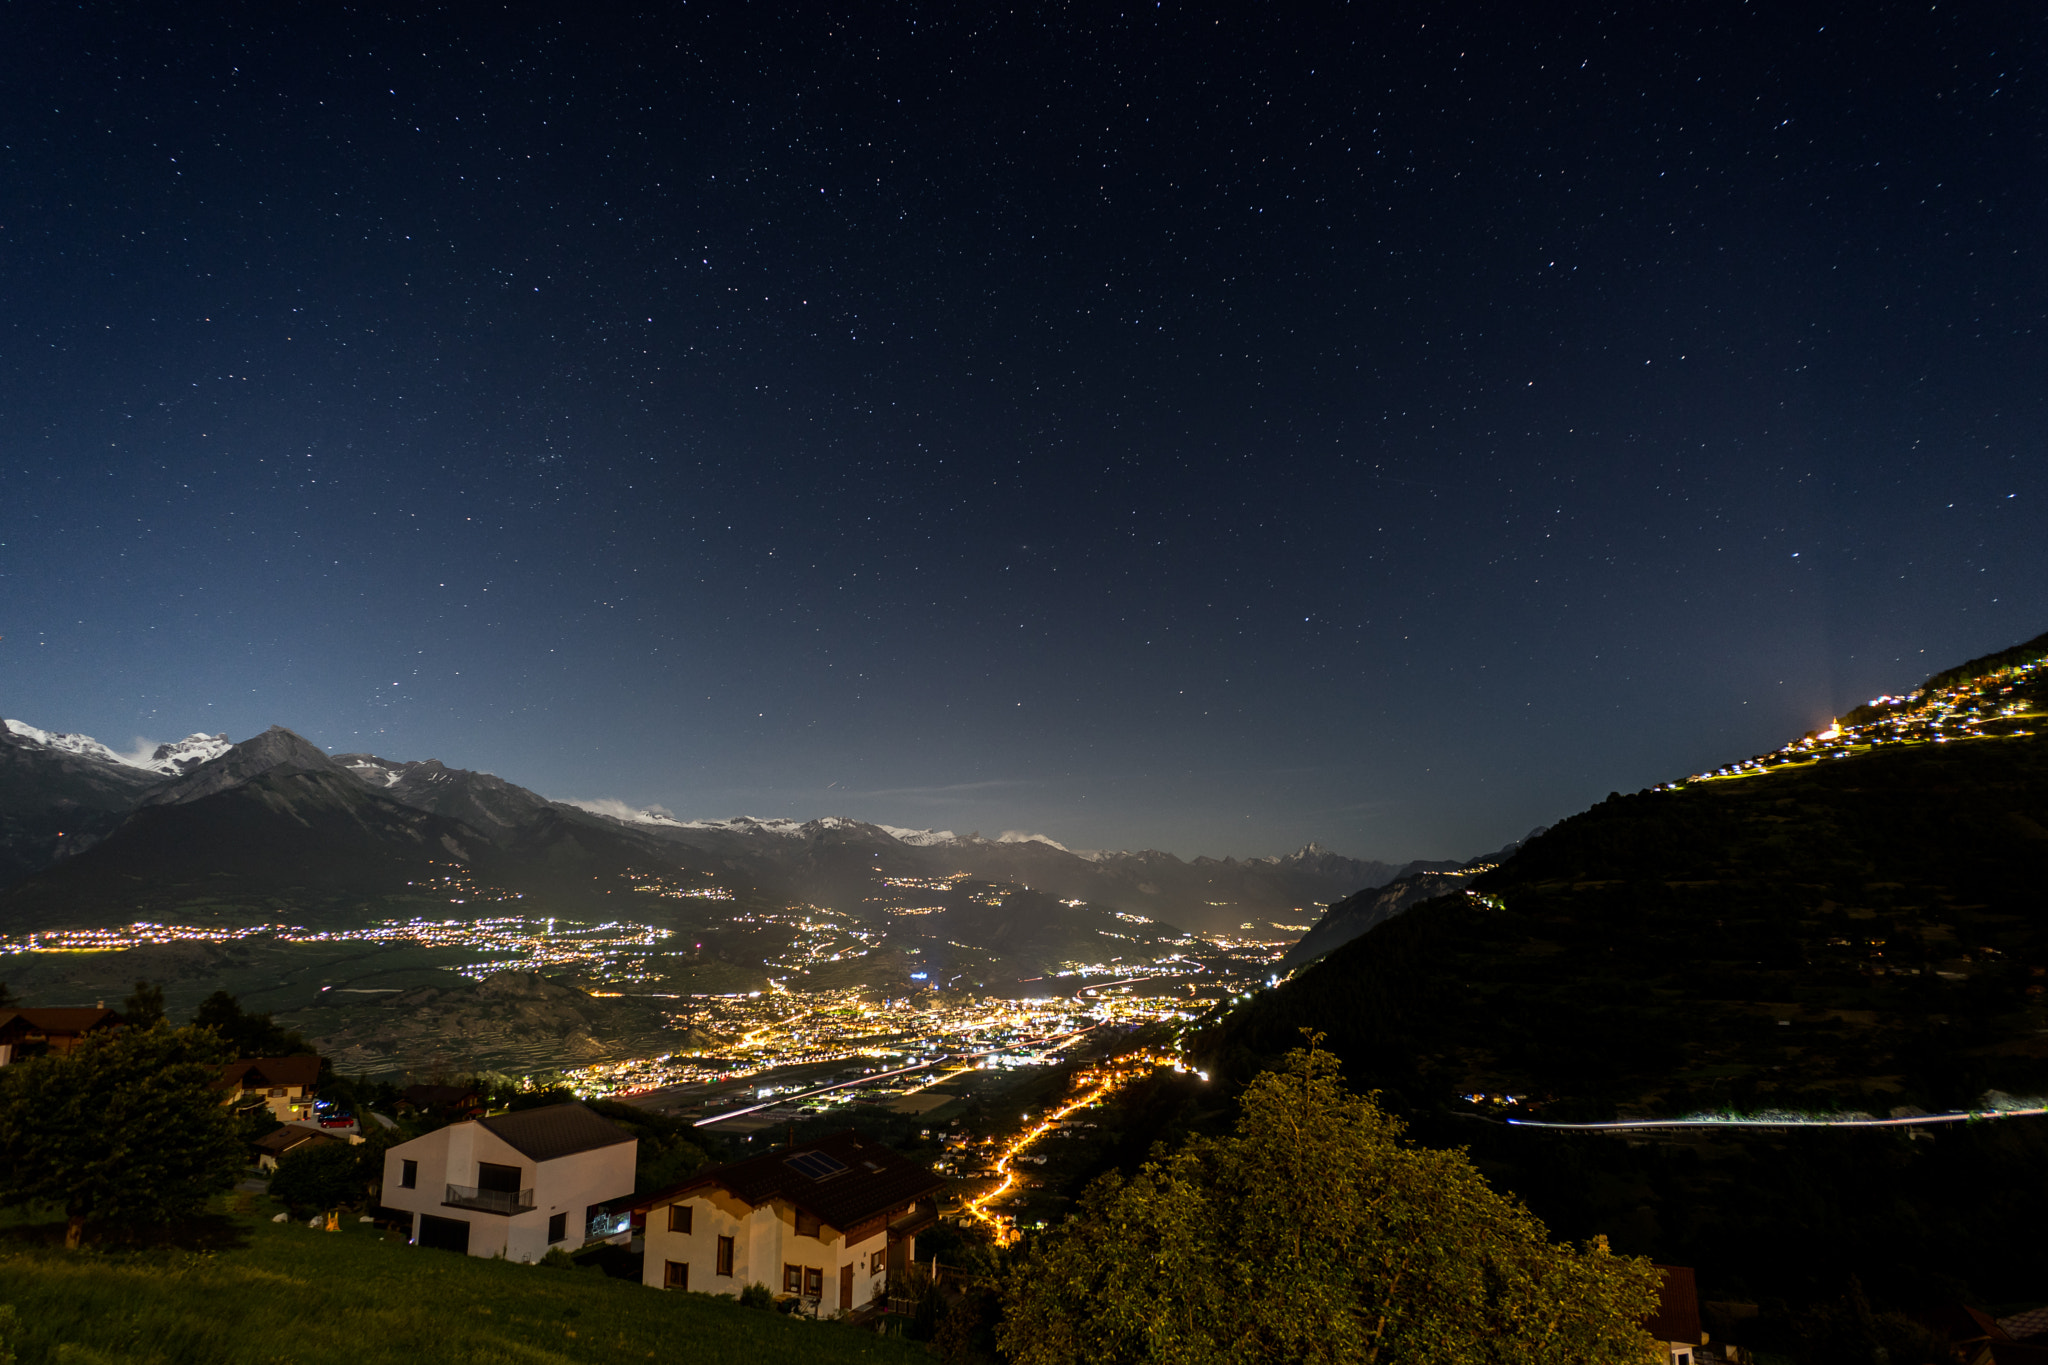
x: 275, y: 827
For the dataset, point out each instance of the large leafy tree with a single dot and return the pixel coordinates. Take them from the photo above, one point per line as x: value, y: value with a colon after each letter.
x: 249, y: 1035
x: 127, y: 1127
x: 1316, y: 1233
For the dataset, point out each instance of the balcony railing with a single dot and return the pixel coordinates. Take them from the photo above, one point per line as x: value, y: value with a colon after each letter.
x: 488, y: 1201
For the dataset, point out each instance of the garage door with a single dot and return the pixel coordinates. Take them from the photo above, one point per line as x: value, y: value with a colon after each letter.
x: 444, y: 1234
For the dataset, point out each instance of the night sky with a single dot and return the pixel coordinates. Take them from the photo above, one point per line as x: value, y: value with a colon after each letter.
x: 1207, y: 428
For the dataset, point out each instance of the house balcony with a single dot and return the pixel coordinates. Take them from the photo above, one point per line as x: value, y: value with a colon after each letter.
x: 488, y: 1201
x: 915, y: 1219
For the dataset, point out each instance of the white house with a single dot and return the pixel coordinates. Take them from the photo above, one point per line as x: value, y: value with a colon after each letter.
x: 514, y: 1185
x: 825, y: 1221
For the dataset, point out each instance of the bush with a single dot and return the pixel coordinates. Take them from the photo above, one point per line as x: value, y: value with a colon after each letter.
x: 316, y: 1178
x: 1313, y: 1233
x: 757, y: 1295
x: 558, y: 1259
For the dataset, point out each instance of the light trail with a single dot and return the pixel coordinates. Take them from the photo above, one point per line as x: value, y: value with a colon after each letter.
x: 884, y: 1075
x: 1789, y: 1121
x: 978, y: 1206
x: 1132, y: 981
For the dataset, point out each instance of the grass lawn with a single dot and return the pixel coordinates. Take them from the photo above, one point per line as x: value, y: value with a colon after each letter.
x: 243, y: 1289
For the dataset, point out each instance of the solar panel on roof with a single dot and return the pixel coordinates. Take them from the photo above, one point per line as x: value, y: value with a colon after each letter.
x: 816, y: 1165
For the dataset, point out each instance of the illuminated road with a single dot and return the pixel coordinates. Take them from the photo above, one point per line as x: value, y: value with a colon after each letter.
x: 978, y: 1207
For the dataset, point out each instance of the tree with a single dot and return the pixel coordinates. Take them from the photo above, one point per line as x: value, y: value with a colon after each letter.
x: 128, y: 1126
x: 247, y: 1035
x: 1315, y: 1233
x: 144, y: 1005
x: 321, y: 1176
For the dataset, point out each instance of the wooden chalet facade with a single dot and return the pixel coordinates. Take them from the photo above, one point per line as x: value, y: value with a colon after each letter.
x: 827, y: 1222
x: 26, y: 1033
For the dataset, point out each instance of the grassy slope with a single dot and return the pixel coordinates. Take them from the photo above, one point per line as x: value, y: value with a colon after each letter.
x: 278, y: 1294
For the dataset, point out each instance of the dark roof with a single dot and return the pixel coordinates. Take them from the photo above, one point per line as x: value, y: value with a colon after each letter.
x: 1678, y: 1306
x: 60, y: 1019
x: 255, y: 1073
x: 1959, y: 1323
x: 2031, y: 1325
x: 428, y: 1096
x: 2011, y: 1353
x: 874, y: 1180
x: 281, y: 1140
x: 556, y: 1130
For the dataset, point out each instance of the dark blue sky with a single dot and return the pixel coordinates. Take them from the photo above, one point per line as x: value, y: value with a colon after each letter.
x: 1390, y: 426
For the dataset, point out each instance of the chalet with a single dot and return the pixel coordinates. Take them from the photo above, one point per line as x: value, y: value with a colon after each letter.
x: 284, y: 1085
x: 1676, y: 1324
x: 514, y: 1185
x: 33, y: 1032
x: 827, y: 1222
x: 442, y: 1101
x: 279, y: 1143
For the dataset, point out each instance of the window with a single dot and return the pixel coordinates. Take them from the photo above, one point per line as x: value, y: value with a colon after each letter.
x: 679, y: 1218
x: 408, y: 1175
x: 725, y: 1256
x: 277, y: 1092
x: 792, y: 1279
x: 558, y: 1228
x: 878, y: 1262
x: 808, y: 1224
x: 814, y: 1282
x: 676, y: 1275
x: 491, y: 1176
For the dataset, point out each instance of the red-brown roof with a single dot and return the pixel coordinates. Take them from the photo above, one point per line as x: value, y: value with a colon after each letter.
x: 278, y: 1141
x: 871, y: 1180
x: 58, y: 1019
x: 1678, y: 1306
x: 260, y: 1073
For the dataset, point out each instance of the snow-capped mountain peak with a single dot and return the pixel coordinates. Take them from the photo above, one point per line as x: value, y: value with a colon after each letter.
x: 1020, y: 836
x: 920, y: 838
x: 169, y: 760
x: 83, y: 745
x: 186, y: 754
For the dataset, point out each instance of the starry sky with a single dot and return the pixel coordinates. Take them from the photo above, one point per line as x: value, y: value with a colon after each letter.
x: 1203, y: 427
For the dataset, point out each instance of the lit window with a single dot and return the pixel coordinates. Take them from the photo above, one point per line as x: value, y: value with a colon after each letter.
x: 792, y: 1279
x: 814, y: 1283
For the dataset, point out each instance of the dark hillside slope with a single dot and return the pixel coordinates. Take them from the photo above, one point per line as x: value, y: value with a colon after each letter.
x: 1865, y: 932
x: 1856, y: 922
x: 287, y: 837
x: 54, y: 804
